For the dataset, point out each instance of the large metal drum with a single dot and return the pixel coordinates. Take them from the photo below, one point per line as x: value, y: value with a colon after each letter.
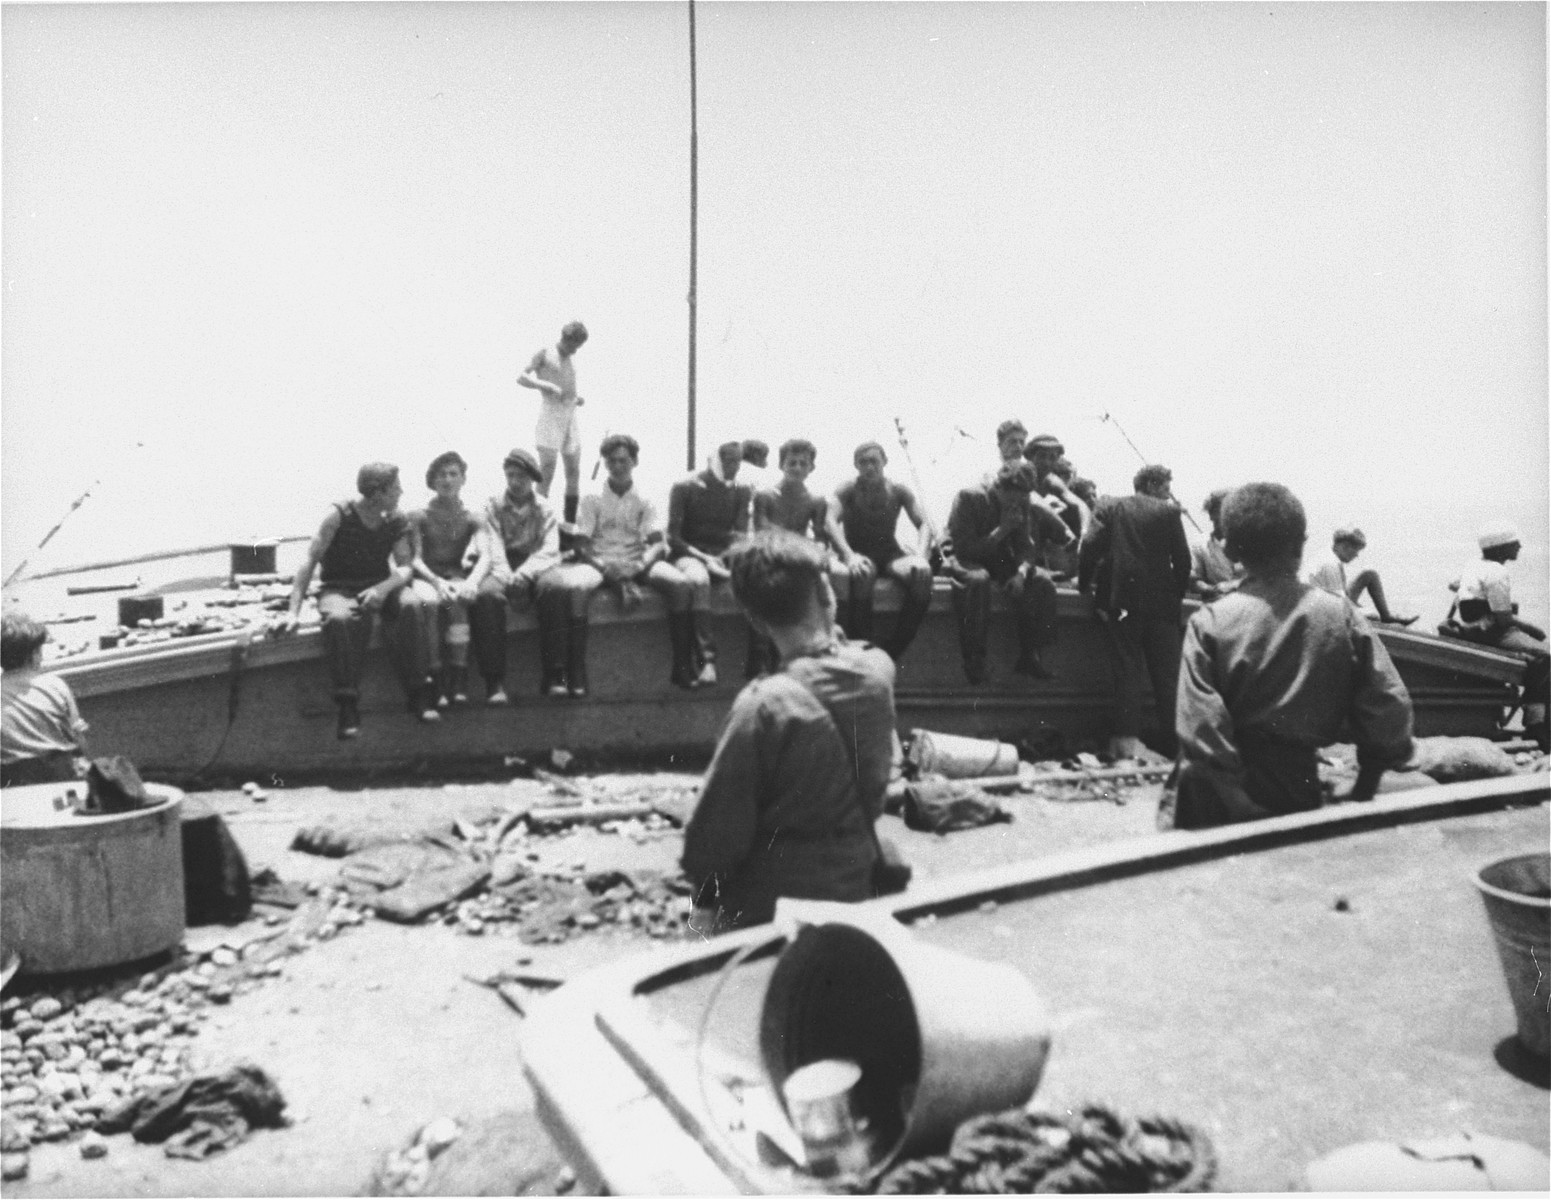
x: 79, y: 892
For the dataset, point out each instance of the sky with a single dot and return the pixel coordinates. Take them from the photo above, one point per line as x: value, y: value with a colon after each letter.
x: 247, y: 247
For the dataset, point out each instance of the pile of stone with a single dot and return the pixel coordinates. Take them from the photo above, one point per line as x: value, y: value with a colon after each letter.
x: 556, y: 905
x: 68, y: 1055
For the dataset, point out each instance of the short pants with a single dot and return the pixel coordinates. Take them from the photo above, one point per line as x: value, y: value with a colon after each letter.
x: 557, y: 429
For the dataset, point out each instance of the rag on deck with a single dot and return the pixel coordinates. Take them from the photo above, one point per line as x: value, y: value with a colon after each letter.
x: 203, y: 1115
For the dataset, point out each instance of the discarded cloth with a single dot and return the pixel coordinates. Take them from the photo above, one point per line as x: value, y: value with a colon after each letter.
x: 203, y: 1115
x: 943, y: 805
x: 1454, y: 759
x: 427, y: 890
x: 338, y: 839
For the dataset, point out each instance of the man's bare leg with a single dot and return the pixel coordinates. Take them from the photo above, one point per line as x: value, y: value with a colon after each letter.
x: 1368, y: 580
x: 547, y: 460
x: 573, y: 482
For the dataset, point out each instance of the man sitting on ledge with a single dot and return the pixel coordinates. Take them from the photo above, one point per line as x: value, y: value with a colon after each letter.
x: 1270, y: 673
x: 797, y: 780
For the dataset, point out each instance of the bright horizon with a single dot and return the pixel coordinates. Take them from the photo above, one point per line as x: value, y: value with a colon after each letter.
x: 270, y: 242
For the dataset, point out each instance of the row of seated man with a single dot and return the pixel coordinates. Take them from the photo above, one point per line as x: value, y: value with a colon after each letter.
x: 445, y: 574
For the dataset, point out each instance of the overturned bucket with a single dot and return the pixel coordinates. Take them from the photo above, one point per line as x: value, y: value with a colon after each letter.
x: 1517, y: 894
x: 939, y: 1037
x: 956, y: 757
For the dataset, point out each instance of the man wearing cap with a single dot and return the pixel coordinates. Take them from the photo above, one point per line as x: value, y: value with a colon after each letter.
x: 995, y: 536
x: 520, y: 565
x: 1051, y: 482
x: 552, y: 374
x: 862, y: 526
x: 706, y: 513
x: 1135, y: 563
x: 1484, y: 613
x: 1331, y: 575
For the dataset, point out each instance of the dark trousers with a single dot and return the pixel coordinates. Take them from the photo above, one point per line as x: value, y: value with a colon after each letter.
x: 347, y: 632
x: 558, y: 594
x: 1033, y: 595
x: 1145, y: 648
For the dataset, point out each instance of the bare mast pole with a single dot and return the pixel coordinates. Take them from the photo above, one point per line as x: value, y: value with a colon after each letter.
x: 694, y: 198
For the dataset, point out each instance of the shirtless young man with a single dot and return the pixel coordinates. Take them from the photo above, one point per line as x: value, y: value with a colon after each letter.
x: 861, y: 525
x: 552, y: 373
x: 1332, y: 575
x: 791, y: 506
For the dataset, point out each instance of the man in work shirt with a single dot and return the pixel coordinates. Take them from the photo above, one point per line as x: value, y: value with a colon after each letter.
x: 797, y: 781
x: 1273, y: 671
x: 552, y: 373
x: 521, y: 565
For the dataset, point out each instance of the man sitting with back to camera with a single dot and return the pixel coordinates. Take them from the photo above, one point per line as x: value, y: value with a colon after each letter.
x: 789, y: 800
x: 996, y: 535
x: 1273, y: 671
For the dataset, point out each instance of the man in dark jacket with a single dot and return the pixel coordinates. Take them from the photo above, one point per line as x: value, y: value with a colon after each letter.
x: 995, y: 536
x: 1135, y: 563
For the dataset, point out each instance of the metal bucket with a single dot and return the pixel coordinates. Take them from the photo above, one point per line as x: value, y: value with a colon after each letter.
x: 961, y: 757
x: 939, y: 1037
x: 1517, y: 893
x: 81, y: 892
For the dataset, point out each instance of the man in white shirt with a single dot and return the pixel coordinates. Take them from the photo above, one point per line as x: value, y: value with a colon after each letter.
x: 1332, y: 575
x: 552, y: 373
x: 1484, y: 613
x: 619, y: 539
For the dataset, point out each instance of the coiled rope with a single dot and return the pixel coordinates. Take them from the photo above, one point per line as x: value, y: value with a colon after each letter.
x: 1091, y: 1150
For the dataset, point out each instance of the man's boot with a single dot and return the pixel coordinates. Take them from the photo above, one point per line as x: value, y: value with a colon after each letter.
x: 423, y: 701
x: 568, y: 523
x: 455, y: 684
x: 973, y: 605
x: 682, y: 636
x: 704, y: 649
x: 1029, y: 661
x: 349, y: 718
x: 554, y: 637
x: 576, y: 656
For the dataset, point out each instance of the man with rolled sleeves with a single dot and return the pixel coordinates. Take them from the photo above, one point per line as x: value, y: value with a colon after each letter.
x: 518, y: 566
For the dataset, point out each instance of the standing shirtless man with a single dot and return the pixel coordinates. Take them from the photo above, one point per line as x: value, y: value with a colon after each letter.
x: 552, y: 373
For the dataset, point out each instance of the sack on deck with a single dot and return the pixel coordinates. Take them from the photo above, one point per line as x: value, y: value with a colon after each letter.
x: 943, y: 805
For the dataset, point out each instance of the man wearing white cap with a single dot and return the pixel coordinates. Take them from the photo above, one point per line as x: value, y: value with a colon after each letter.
x: 1332, y: 575
x: 1484, y: 613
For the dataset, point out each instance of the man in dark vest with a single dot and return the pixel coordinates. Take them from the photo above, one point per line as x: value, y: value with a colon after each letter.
x: 364, y: 555
x: 706, y: 513
x: 996, y: 536
x: 1135, y: 563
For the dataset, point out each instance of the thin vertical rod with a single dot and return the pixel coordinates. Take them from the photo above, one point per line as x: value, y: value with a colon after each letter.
x: 694, y: 247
